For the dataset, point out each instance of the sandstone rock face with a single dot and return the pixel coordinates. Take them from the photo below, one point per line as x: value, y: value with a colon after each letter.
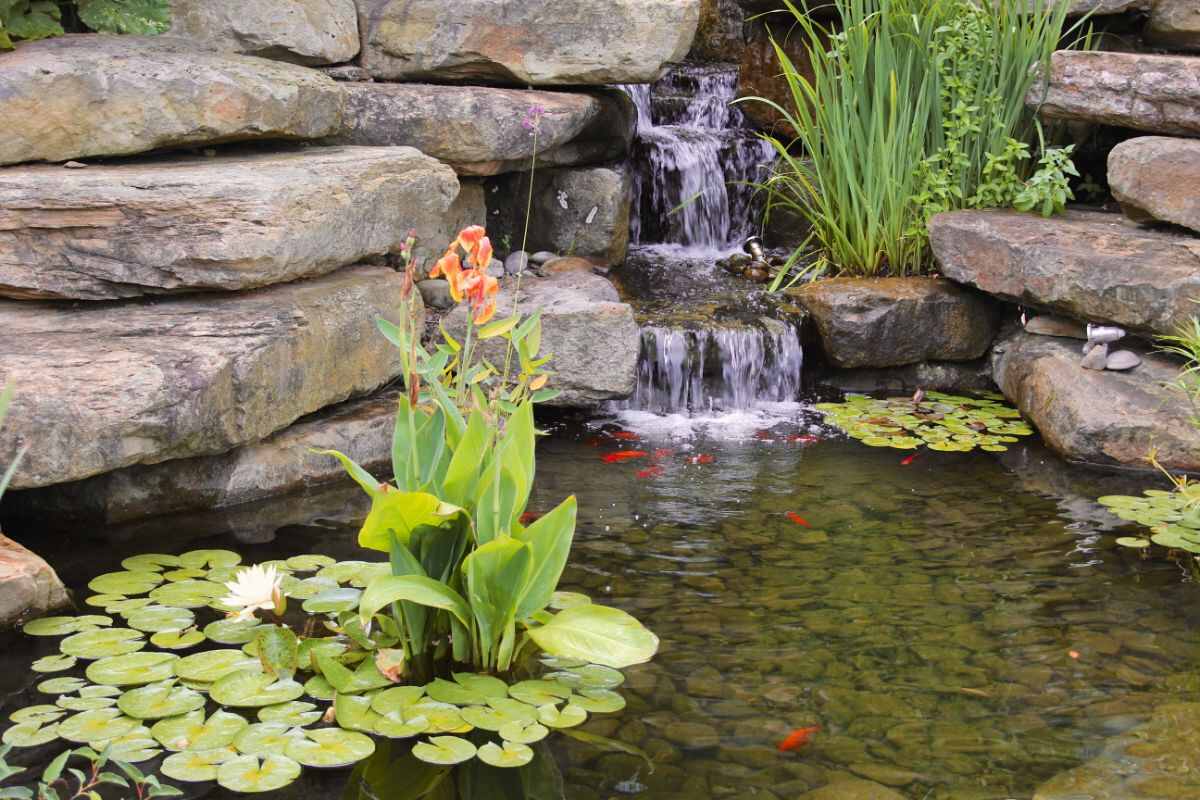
x: 232, y: 222
x: 29, y: 587
x: 1084, y: 264
x: 311, y: 32
x: 434, y: 235
x: 1157, y: 178
x: 581, y: 212
x: 531, y: 42
x: 278, y: 465
x: 890, y: 322
x: 955, y: 377
x: 1174, y: 24
x: 489, y: 128
x: 88, y: 95
x: 591, y: 334
x: 1078, y: 8
x: 1159, y: 94
x: 106, y: 386
x: 1101, y: 417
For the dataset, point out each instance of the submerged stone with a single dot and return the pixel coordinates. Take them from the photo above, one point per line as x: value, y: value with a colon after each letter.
x: 29, y: 587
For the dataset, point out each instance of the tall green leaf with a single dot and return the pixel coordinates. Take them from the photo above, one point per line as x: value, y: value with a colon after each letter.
x: 463, y: 473
x: 597, y: 634
x: 399, y: 514
x: 384, y: 591
x: 549, y: 539
x: 496, y: 573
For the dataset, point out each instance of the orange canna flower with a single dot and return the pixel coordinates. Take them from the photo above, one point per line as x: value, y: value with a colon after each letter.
x: 482, y: 256
x: 450, y: 266
x: 468, y: 238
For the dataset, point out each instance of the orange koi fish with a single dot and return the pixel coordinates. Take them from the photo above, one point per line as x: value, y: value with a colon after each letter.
x: 622, y: 455
x: 803, y: 438
x: 799, y: 520
x: 904, y: 462
x: 624, y: 436
x: 798, y: 738
x: 659, y: 455
x: 651, y: 472
x: 703, y: 458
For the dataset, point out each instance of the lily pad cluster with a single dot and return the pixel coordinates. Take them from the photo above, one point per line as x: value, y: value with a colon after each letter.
x: 1173, y: 517
x: 943, y: 422
x: 227, y: 712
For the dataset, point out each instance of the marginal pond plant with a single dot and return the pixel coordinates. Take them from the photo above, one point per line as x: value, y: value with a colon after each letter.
x: 942, y: 422
x: 27, y: 20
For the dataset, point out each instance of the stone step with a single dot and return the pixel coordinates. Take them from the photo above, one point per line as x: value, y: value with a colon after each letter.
x: 182, y: 223
x: 532, y: 42
x: 1085, y: 264
x: 492, y: 127
x: 1154, y: 93
x: 108, y: 385
x: 90, y: 95
x: 1099, y: 417
x: 1157, y: 179
x: 1175, y: 25
x: 311, y: 32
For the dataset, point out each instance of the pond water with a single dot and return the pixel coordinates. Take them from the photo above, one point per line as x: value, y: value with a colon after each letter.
x: 961, y: 627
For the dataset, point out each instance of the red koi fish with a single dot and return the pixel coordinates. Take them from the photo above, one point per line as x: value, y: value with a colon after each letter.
x: 594, y: 441
x: 530, y: 516
x: 904, y: 462
x: 764, y: 436
x: 703, y: 458
x: 659, y: 455
x: 799, y: 520
x: 798, y: 738
x: 622, y: 455
x: 624, y: 436
x: 803, y: 438
x: 651, y: 472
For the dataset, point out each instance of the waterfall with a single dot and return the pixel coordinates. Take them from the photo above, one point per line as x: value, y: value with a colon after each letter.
x: 694, y: 150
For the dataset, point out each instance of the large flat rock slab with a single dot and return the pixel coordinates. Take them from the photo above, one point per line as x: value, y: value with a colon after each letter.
x: 232, y: 222
x: 1175, y: 25
x: 493, y: 127
x: 530, y: 42
x: 280, y: 464
x: 1108, y: 418
x: 1085, y: 264
x: 90, y: 95
x: 891, y: 322
x: 592, y: 336
x: 109, y: 385
x: 1157, y: 178
x: 311, y: 32
x: 1154, y: 93
x: 29, y: 587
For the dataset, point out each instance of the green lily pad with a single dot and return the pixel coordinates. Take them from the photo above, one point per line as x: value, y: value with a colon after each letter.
x: 29, y: 734
x: 1133, y: 541
x: 61, y: 626
x: 442, y: 717
x: 599, y: 701
x: 592, y: 676
x: 133, y: 669
x: 193, y: 732
x: 253, y: 688
x: 232, y: 631
x: 201, y: 559
x: 309, y: 587
x: 330, y: 748
x: 36, y: 715
x: 103, y: 600
x: 444, y: 750
x: 524, y: 732
x: 539, y: 692
x: 150, y: 562
x: 483, y: 685
x: 394, y: 725
x: 159, y: 700
x: 154, y: 619
x: 397, y: 699
x: 84, y: 703
x: 102, y: 642
x: 212, y: 665
x: 485, y: 717
x: 568, y: 716
x: 185, y: 574
x: 319, y: 688
x: 195, y: 766
x: 133, y: 748
x: 353, y: 712
x: 177, y: 640
x: 95, y: 726
x: 332, y: 601
x: 453, y: 693
x: 511, y: 754
x: 562, y: 662
x: 61, y: 685
x: 296, y: 713
x: 250, y: 774
x: 128, y: 605
x: 309, y: 563
x: 99, y: 690
x: 54, y: 663
x: 125, y: 583
x: 513, y: 709
x: 264, y: 738
x: 188, y: 594
x: 330, y: 647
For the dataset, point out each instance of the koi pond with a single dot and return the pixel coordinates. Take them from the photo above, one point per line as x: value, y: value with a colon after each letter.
x: 960, y: 625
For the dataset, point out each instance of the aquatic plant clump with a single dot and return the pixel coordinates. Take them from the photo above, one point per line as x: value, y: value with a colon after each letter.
x: 1173, y: 517
x: 942, y: 422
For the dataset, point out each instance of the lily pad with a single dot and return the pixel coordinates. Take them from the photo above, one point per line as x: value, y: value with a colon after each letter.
x: 103, y: 642
x: 72, y: 703
x: 133, y: 748
x: 562, y: 662
x: 232, y: 631
x: 397, y: 699
x: 905, y: 423
x: 514, y: 709
x: 524, y: 732
x: 599, y: 701
x: 30, y: 735
x: 99, y: 690
x: 125, y: 583
x: 264, y: 738
x: 195, y: 766
x: 309, y: 587
x: 330, y: 748
x: 95, y: 726
x: 250, y: 774
x: 159, y: 700
x: 61, y: 626
x: 132, y: 669
x: 592, y: 676
x: 295, y: 713
x: 483, y: 685
x: 319, y: 688
x: 454, y: 694
x: 154, y: 619
x: 309, y: 563
x: 36, y: 715
x: 103, y: 600
x: 212, y: 665
x: 54, y: 663
x: 1136, y: 542
x: 193, y: 732
x: 395, y: 725
x: 200, y: 559
x: 511, y: 754
x: 332, y: 601
x: 61, y: 685
x: 253, y: 688
x: 444, y: 750
x: 150, y: 562
x: 353, y: 712
x: 485, y: 717
x: 539, y: 692
x: 177, y: 640
x: 128, y: 605
x: 568, y: 716
x: 185, y: 574
x: 188, y: 594
x: 442, y: 717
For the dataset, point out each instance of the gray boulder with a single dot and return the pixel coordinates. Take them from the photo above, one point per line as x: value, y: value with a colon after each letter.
x: 436, y: 293
x: 91, y: 95
x: 109, y: 385
x: 1157, y: 178
x: 311, y: 32
x: 231, y: 222
x: 1174, y: 24
x: 29, y: 587
x: 533, y: 42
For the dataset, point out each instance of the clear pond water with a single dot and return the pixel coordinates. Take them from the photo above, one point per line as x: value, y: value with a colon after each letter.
x: 925, y: 617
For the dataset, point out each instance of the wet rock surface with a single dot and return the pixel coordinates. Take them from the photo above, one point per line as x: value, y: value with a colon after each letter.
x: 310, y: 32
x: 1154, y: 178
x: 29, y: 587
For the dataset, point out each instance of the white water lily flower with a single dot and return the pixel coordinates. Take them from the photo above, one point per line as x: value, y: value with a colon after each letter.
x: 253, y: 589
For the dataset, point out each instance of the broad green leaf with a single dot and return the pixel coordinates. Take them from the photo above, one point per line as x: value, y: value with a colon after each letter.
x: 511, y: 754
x: 252, y: 688
x: 414, y: 588
x: 250, y: 774
x: 212, y: 665
x: 61, y: 626
x: 598, y: 634
x: 399, y: 513
x: 132, y: 669
x: 445, y: 750
x: 329, y: 748
x: 138, y: 17
x: 549, y: 539
x: 53, y: 663
x: 497, y: 574
x: 98, y: 725
x: 264, y: 738
x: 463, y: 473
x: 277, y: 647
x: 196, y: 766
x: 158, y: 701
x: 193, y: 732
x: 296, y: 713
x: 524, y: 731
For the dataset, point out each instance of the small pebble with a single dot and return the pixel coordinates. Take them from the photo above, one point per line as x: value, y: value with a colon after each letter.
x: 1097, y: 358
x: 542, y: 256
x: 1122, y: 360
x: 75, y: 165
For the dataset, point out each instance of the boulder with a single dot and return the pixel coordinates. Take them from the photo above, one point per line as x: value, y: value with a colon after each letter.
x: 90, y: 95
x: 954, y: 377
x: 533, y: 42
x: 183, y: 223
x: 1100, y: 417
x: 434, y: 235
x: 1155, y: 93
x: 890, y: 322
x: 492, y: 128
x: 29, y: 587
x: 1084, y: 264
x: 1174, y: 24
x: 576, y: 211
x: 1098, y: 8
x: 591, y: 334
x: 1157, y: 178
x: 311, y: 32
x: 110, y: 385
x: 1053, y: 325
x: 719, y: 34
x: 280, y: 464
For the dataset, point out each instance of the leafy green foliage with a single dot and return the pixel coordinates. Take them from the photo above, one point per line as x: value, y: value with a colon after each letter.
x: 1049, y: 189
x: 29, y: 20
x: 5, y: 400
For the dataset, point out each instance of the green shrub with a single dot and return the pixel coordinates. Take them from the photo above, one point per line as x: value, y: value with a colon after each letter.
x: 6, y: 476
x: 41, y: 19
